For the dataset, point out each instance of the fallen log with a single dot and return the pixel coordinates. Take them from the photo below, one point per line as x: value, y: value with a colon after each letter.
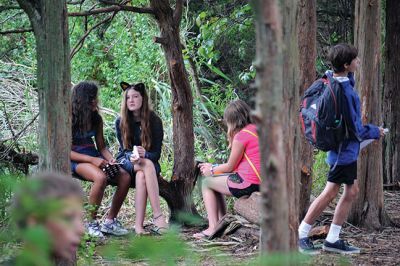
x: 249, y: 207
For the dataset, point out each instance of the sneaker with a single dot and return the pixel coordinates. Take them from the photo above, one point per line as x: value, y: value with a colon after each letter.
x: 340, y: 246
x: 93, y: 229
x: 114, y: 228
x: 306, y: 246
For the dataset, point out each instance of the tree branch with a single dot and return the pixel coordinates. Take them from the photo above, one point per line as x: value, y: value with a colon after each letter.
x: 178, y: 11
x: 115, y: 8
x: 79, y: 44
x: 160, y: 40
x: 22, y: 130
x: 5, y: 8
x: 15, y: 31
x: 32, y: 12
x: 79, y: 2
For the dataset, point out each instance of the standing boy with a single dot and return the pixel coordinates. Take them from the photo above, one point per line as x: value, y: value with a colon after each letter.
x: 343, y: 162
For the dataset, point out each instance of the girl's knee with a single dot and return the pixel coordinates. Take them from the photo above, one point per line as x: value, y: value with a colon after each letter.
x: 100, y: 180
x: 125, y: 176
x: 140, y: 178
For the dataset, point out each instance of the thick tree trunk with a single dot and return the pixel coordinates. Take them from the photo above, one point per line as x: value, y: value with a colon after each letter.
x: 368, y: 209
x: 178, y: 192
x: 269, y: 115
x: 291, y: 105
x: 307, y: 43
x: 391, y: 104
x: 50, y: 25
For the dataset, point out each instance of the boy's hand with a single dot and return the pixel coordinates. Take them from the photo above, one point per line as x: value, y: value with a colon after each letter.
x: 382, y: 131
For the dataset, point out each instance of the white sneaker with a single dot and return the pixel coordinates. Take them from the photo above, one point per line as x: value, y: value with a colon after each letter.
x: 114, y: 228
x: 93, y: 229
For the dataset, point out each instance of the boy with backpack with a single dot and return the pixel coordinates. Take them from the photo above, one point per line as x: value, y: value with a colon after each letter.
x: 343, y: 158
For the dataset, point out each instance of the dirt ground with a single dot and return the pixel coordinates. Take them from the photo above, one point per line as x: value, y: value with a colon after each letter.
x: 241, y: 247
x: 377, y: 248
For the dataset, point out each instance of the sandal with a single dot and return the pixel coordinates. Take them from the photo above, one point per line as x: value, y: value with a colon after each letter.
x: 201, y: 235
x: 144, y: 233
x: 159, y: 230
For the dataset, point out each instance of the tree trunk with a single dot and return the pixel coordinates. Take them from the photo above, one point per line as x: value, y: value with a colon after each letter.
x: 391, y: 104
x: 269, y: 116
x: 178, y: 192
x: 368, y: 209
x: 50, y: 25
x: 307, y: 43
x: 291, y: 105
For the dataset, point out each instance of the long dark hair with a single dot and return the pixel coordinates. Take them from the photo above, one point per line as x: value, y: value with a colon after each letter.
x: 236, y: 116
x: 127, y: 119
x: 84, y: 118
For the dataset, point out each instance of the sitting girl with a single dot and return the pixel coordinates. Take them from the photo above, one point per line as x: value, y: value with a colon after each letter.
x: 141, y: 129
x: 87, y: 160
x: 240, y: 175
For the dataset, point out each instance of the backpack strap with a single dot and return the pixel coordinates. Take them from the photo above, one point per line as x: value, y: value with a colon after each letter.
x: 247, y: 157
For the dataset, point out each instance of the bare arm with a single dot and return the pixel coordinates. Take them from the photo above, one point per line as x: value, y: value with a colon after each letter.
x: 234, y: 158
x: 100, y: 144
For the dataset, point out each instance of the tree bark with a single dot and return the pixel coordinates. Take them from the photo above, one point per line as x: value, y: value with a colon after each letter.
x: 269, y: 116
x: 291, y: 104
x: 307, y: 43
x: 368, y: 209
x: 50, y: 26
x: 391, y: 104
x: 178, y: 192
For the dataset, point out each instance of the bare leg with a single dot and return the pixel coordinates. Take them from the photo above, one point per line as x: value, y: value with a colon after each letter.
x: 321, y: 202
x: 147, y: 167
x: 124, y: 180
x: 213, y: 189
x: 92, y: 173
x: 221, y: 205
x: 343, y: 207
x: 140, y: 201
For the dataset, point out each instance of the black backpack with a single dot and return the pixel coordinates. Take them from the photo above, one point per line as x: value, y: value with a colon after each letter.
x: 321, y: 114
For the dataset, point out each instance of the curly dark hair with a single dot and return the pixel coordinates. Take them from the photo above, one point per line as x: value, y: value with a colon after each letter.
x: 84, y: 117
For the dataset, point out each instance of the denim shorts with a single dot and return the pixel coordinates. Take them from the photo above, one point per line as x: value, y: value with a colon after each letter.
x: 90, y: 151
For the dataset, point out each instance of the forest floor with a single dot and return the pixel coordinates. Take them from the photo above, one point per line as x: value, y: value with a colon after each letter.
x: 241, y: 247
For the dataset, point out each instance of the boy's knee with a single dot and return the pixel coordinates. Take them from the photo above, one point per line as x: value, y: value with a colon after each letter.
x: 352, y: 193
x: 331, y: 193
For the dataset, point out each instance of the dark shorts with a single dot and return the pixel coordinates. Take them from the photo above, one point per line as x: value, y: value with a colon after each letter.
x: 239, y: 187
x: 343, y: 174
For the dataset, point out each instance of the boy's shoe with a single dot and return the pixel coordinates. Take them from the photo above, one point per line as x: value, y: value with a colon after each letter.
x: 114, y: 228
x: 306, y: 246
x: 93, y: 229
x: 341, y: 247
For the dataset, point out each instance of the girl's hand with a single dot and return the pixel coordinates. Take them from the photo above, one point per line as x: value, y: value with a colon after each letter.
x: 134, y: 159
x: 99, y: 162
x: 205, y: 169
x: 112, y: 161
x: 141, y: 151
